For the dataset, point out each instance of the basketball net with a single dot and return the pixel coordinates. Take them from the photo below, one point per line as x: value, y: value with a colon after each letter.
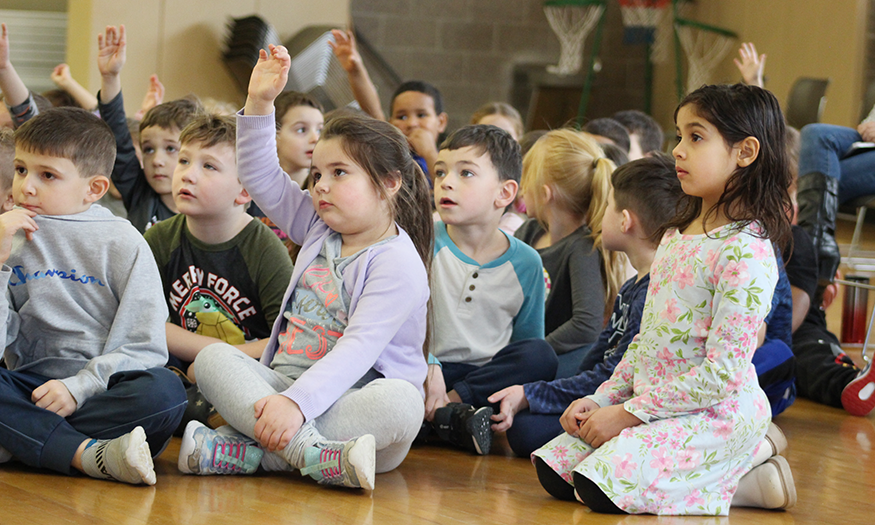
x: 705, y: 48
x: 571, y: 22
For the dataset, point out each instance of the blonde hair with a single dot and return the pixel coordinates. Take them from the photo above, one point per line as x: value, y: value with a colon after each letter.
x: 499, y: 108
x: 575, y: 168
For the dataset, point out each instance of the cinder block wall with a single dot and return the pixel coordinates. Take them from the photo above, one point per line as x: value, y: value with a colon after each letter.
x: 468, y: 48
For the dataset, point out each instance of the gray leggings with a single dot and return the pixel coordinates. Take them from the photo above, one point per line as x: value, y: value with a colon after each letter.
x: 389, y: 409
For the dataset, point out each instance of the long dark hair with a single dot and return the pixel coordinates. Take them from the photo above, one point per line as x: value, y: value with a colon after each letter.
x: 382, y: 151
x: 758, y: 192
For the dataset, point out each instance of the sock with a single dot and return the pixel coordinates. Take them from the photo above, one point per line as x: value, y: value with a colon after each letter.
x: 275, y: 463
x: 126, y: 459
x: 307, y: 436
x: 5, y: 455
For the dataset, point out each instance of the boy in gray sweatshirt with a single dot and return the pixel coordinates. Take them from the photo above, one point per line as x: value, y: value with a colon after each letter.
x: 84, y: 323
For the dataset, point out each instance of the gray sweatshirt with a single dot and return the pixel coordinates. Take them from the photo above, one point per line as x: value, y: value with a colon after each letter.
x: 84, y: 301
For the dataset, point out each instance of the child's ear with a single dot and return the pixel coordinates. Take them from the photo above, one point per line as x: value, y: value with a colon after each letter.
x: 8, y: 203
x: 444, y: 119
x: 628, y: 222
x: 546, y: 193
x: 393, y: 183
x: 97, y: 187
x: 748, y: 151
x: 507, y: 193
x: 243, y: 197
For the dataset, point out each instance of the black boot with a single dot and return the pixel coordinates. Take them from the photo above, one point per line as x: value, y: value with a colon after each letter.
x: 818, y: 198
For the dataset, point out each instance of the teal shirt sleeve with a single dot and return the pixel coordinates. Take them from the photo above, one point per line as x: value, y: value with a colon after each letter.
x: 529, y: 321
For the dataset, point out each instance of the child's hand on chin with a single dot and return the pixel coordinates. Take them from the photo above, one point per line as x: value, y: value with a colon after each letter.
x: 10, y: 223
x: 279, y: 419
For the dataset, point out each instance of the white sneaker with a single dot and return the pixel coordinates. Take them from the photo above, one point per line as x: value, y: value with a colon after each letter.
x: 768, y: 486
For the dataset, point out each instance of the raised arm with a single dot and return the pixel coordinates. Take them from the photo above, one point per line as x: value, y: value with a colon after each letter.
x: 363, y: 88
x: 154, y: 96
x: 111, y: 55
x: 63, y: 79
x: 14, y: 90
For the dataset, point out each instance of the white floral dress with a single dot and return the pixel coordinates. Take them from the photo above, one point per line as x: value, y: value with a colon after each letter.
x: 688, y: 377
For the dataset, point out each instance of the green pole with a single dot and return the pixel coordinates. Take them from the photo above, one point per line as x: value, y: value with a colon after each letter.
x: 590, y: 74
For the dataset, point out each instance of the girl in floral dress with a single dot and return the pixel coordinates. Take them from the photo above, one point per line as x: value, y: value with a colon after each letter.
x: 675, y: 429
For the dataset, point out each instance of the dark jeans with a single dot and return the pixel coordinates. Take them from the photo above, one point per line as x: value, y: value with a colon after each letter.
x: 530, y: 432
x: 518, y: 363
x: 153, y: 399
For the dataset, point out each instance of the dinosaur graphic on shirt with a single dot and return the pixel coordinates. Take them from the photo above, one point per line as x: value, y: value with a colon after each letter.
x: 215, y: 321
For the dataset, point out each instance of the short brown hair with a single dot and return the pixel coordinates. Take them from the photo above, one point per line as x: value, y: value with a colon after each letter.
x: 209, y: 130
x: 174, y: 114
x: 292, y: 99
x: 70, y: 133
x: 7, y: 155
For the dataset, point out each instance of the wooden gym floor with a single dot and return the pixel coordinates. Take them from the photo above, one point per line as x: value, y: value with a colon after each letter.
x: 832, y: 456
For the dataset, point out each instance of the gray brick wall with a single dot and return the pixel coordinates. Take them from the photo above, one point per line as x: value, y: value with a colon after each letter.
x: 468, y: 49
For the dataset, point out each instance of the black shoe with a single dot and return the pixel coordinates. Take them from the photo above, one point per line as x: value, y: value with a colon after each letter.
x: 465, y: 426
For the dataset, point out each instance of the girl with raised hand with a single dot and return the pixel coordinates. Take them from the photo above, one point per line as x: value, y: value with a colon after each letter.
x: 338, y: 393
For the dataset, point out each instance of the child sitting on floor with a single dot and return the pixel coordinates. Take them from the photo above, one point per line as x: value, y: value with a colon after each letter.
x: 85, y: 388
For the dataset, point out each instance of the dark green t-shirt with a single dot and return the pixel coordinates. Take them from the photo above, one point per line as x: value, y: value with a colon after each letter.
x: 233, y: 290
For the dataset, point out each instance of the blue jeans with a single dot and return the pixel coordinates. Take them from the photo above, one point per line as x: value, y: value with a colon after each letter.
x: 518, y: 363
x: 153, y: 399
x: 822, y: 149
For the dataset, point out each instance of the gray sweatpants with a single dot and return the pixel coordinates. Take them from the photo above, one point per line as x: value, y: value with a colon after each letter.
x: 389, y: 409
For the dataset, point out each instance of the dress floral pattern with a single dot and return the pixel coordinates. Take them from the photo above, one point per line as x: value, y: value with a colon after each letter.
x: 688, y: 376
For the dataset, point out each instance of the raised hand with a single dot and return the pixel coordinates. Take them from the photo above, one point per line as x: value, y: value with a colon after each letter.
x: 4, y: 47
x: 111, y: 48
x: 61, y: 75
x: 269, y: 77
x: 751, y: 64
x: 154, y: 96
x: 345, y: 50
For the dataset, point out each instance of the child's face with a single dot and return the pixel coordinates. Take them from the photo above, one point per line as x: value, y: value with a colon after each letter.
x: 414, y: 110
x: 613, y: 226
x: 50, y: 185
x: 160, y: 149
x: 500, y: 121
x: 299, y: 130
x: 467, y: 188
x: 343, y: 194
x: 703, y: 161
x: 205, y: 182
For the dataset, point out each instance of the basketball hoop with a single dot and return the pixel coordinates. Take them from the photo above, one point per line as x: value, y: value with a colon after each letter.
x: 705, y: 46
x: 572, y: 21
x: 640, y: 19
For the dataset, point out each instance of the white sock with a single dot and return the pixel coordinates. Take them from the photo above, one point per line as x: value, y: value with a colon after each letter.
x: 307, y: 436
x: 126, y: 459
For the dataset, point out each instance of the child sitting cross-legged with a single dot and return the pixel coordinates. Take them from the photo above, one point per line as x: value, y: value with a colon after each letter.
x: 644, y: 196
x: 223, y: 271
x: 84, y: 327
x: 338, y: 392
x: 487, y: 289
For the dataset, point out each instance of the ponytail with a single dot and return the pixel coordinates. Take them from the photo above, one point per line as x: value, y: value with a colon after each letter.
x: 613, y: 262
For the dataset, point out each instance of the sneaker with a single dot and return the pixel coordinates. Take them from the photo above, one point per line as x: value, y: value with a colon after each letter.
x: 858, y: 397
x: 345, y: 463
x: 768, y: 486
x: 773, y: 444
x: 465, y: 426
x: 205, y: 451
